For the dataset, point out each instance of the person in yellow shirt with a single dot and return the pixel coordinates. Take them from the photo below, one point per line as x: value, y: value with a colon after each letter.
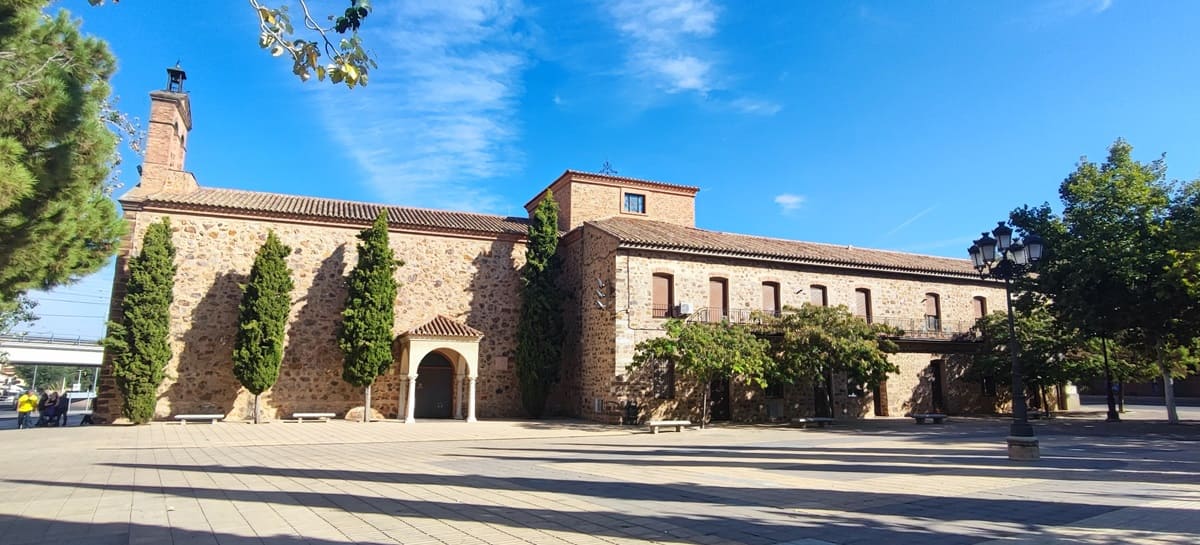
x: 25, y: 405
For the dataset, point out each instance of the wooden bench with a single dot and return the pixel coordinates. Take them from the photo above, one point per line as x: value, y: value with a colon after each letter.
x: 937, y: 418
x: 184, y: 418
x: 820, y: 421
x: 323, y: 417
x: 677, y: 424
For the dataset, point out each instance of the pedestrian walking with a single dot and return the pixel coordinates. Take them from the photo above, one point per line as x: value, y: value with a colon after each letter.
x: 25, y: 405
x: 60, y: 409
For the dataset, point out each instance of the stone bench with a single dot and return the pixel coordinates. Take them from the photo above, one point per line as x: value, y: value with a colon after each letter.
x: 213, y: 418
x: 323, y: 417
x: 937, y: 418
x: 677, y: 424
x: 820, y: 421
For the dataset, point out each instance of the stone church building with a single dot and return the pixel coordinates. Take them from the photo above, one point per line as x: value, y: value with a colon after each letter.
x: 632, y: 257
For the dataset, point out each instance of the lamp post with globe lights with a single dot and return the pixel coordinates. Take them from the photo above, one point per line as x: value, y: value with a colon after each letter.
x: 1004, y: 258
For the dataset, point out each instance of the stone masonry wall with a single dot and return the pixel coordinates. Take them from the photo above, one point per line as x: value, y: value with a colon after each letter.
x: 471, y: 280
x: 591, y: 201
x: 894, y: 297
x: 598, y: 341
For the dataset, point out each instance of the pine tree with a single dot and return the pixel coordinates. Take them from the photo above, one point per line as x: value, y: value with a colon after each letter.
x: 262, y: 320
x: 366, y: 333
x: 139, y: 344
x: 56, y: 220
x: 539, y: 332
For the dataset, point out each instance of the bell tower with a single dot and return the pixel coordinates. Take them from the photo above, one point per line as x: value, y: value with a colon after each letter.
x: 167, y: 139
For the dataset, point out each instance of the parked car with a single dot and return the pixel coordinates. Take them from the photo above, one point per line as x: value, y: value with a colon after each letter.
x: 8, y: 400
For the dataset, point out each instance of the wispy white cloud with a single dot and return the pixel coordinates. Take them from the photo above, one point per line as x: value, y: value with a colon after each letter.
x: 789, y: 203
x: 665, y: 41
x: 909, y: 221
x: 439, y: 115
x: 756, y: 106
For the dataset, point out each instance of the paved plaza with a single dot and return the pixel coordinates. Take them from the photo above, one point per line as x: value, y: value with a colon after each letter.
x: 560, y: 482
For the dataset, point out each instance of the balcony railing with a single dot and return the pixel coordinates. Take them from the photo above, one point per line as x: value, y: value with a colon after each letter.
x: 928, y: 327
x: 662, y: 311
x: 734, y: 315
x: 925, y: 328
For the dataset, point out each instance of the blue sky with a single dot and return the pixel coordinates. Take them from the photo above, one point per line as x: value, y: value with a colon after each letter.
x: 899, y: 125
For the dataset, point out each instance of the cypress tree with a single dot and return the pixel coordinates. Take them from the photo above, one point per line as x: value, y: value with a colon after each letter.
x: 262, y: 319
x: 366, y: 333
x: 56, y: 220
x: 539, y: 331
x: 139, y: 344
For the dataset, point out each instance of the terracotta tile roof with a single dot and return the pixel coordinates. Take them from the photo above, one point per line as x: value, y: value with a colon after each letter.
x: 581, y: 173
x: 279, y: 205
x: 653, y: 235
x: 442, y: 326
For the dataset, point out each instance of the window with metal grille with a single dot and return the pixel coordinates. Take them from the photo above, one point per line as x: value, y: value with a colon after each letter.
x: 933, y: 312
x: 664, y: 296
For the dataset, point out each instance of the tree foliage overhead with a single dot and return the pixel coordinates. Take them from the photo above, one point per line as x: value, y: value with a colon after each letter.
x: 139, y: 345
x: 539, y: 331
x: 348, y: 62
x: 56, y: 220
x: 262, y: 319
x: 1120, y: 261
x: 366, y: 333
x: 704, y: 352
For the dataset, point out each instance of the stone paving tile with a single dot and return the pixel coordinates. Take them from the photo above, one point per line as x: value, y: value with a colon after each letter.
x: 582, y: 484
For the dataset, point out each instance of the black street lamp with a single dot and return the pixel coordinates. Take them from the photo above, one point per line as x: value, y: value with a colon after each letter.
x: 1004, y: 258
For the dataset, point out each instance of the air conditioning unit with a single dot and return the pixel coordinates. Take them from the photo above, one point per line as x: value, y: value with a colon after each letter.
x: 685, y: 309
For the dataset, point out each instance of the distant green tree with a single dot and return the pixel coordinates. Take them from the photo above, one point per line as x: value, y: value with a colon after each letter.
x: 818, y: 342
x: 139, y: 345
x: 56, y: 377
x: 1049, y: 355
x: 56, y: 220
x: 262, y: 319
x: 704, y: 352
x: 366, y: 333
x: 539, y: 330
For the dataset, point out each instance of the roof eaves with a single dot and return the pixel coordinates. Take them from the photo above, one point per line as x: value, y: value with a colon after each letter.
x: 801, y: 260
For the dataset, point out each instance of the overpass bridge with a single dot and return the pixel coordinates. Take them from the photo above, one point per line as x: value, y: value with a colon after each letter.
x: 51, y: 350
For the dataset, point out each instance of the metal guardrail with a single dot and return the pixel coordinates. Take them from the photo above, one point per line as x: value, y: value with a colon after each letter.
x: 49, y: 339
x: 926, y: 328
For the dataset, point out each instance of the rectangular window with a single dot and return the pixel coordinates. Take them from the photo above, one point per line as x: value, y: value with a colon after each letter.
x: 862, y: 304
x: 718, y: 299
x: 635, y: 203
x: 933, y: 312
x: 979, y: 306
x: 664, y: 296
x: 770, y: 298
x: 817, y: 296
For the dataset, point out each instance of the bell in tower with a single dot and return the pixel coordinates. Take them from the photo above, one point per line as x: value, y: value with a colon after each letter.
x: 175, y: 77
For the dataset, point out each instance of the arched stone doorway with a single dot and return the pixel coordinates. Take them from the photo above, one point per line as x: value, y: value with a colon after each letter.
x: 441, y: 359
x: 435, y: 387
